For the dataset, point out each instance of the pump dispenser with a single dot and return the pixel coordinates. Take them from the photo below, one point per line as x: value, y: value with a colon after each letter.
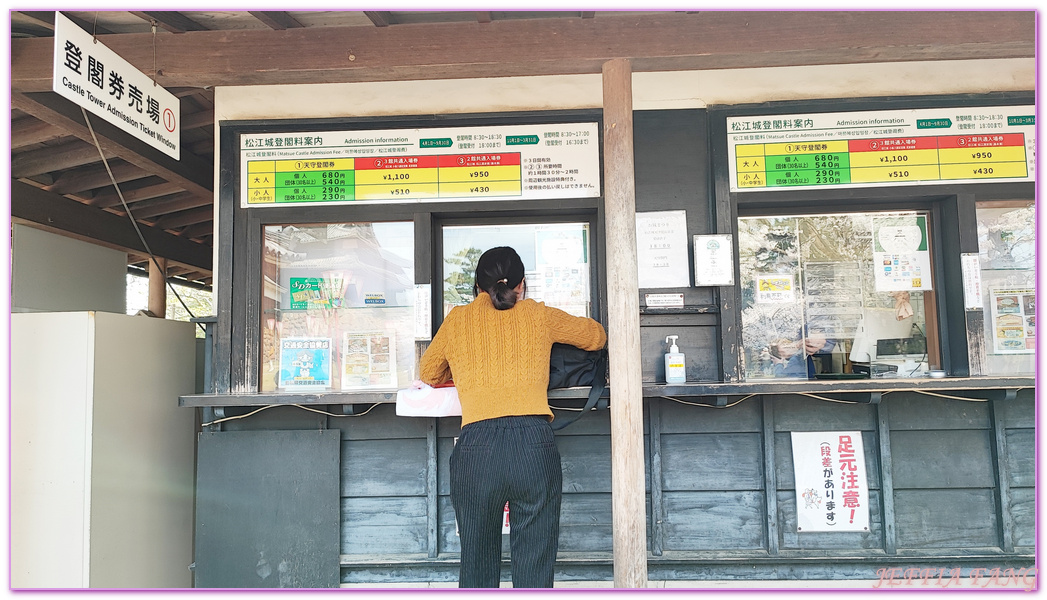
x: 674, y: 363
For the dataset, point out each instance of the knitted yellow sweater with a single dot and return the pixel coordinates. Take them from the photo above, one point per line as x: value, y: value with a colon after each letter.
x: 499, y: 359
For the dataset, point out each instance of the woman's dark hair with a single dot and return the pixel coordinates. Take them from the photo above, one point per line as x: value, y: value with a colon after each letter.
x: 498, y: 271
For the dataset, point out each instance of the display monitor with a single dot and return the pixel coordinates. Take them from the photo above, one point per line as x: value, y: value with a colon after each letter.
x: 878, y: 324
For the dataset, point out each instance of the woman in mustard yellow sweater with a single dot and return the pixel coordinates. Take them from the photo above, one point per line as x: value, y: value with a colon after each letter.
x: 497, y: 351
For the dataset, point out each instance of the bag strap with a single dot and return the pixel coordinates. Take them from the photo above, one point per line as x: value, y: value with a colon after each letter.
x: 599, y: 385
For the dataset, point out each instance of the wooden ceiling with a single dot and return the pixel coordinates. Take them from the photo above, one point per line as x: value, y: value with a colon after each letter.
x: 60, y: 183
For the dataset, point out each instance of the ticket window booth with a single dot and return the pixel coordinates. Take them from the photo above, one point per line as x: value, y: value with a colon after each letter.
x: 350, y: 242
x: 838, y: 296
x: 341, y: 309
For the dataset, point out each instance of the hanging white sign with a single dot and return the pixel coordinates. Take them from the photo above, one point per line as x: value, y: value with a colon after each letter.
x: 832, y: 490
x: 91, y: 75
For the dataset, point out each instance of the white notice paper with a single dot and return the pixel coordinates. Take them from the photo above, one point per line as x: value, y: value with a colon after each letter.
x: 661, y: 249
x: 972, y: 281
x: 713, y: 260
x: 423, y: 313
x: 832, y: 490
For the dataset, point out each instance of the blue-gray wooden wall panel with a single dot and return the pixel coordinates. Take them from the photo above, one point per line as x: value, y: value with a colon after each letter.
x: 745, y: 417
x: 794, y: 413
x: 1020, y: 412
x: 1023, y: 511
x: 712, y: 477
x: 585, y: 523
x: 1021, y: 457
x: 384, y: 467
x: 941, y: 459
x: 714, y: 520
x: 911, y: 410
x: 945, y: 518
x: 712, y: 462
x: 383, y: 525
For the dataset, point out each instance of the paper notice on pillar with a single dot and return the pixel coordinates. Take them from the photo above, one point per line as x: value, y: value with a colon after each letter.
x: 661, y: 249
x: 832, y: 489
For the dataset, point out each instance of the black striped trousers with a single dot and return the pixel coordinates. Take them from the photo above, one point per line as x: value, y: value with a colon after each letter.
x: 512, y: 459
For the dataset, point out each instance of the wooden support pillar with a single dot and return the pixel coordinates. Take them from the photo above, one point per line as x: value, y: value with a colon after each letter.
x: 158, y: 288
x: 623, y: 329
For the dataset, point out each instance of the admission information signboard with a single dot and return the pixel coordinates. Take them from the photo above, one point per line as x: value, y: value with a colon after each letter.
x: 518, y: 162
x: 882, y: 148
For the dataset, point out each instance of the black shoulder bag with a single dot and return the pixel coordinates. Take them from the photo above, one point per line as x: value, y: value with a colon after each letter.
x: 573, y: 367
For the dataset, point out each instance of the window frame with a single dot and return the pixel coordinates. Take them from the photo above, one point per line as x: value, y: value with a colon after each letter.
x: 952, y: 206
x: 237, y: 350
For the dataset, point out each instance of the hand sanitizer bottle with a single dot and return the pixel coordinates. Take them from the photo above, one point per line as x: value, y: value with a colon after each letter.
x: 674, y: 364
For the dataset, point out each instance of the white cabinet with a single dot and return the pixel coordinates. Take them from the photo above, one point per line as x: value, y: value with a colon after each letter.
x: 102, y: 456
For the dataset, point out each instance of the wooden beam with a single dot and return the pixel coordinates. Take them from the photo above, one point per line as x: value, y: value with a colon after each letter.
x: 629, y: 524
x: 173, y: 21
x: 198, y: 230
x: 89, y: 178
x: 380, y: 18
x: 201, y: 148
x: 169, y: 204
x: 109, y: 199
x: 517, y: 47
x: 192, y: 173
x: 276, y: 19
x: 30, y: 130
x: 203, y: 118
x: 55, y: 158
x: 186, y: 217
x: 54, y: 213
x: 47, y: 19
x: 43, y: 17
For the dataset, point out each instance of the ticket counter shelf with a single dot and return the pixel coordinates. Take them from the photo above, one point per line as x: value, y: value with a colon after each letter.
x: 858, y: 390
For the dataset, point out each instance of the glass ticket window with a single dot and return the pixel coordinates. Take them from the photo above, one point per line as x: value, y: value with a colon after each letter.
x: 1007, y: 258
x: 337, y: 307
x: 836, y: 296
x: 556, y: 261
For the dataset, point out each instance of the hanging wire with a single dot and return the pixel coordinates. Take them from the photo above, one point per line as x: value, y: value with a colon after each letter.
x: 134, y: 223
x: 152, y: 23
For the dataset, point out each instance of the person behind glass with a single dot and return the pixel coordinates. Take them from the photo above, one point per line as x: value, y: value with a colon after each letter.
x: 792, y: 358
x: 496, y: 349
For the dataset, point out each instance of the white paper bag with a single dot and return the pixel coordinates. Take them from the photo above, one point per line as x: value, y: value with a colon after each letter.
x: 428, y: 402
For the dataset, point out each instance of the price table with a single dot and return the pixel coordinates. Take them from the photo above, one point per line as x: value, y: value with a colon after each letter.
x: 384, y: 178
x: 881, y: 160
